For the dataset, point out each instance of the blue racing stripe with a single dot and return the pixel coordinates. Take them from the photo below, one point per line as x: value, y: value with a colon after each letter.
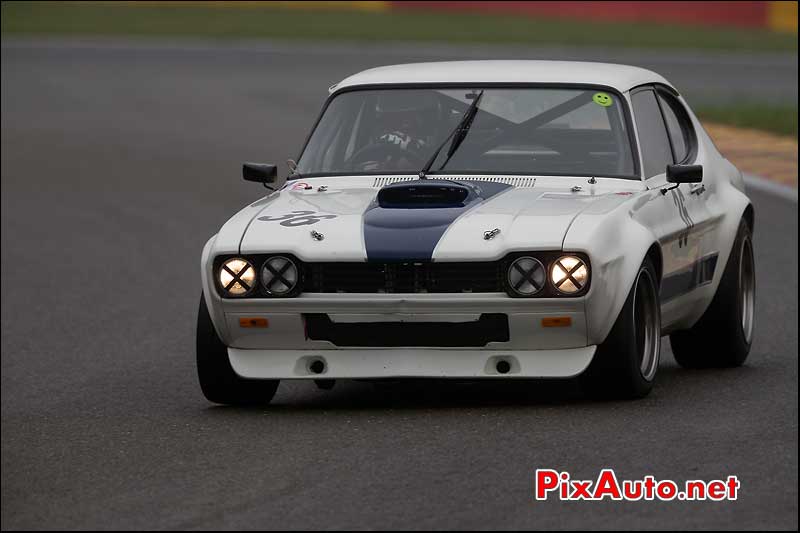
x: 410, y: 233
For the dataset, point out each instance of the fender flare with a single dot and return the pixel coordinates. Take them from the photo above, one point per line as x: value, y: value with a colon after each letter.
x: 617, y: 245
x: 739, y: 207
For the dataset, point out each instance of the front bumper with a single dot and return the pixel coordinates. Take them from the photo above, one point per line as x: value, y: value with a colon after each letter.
x: 284, y: 349
x: 368, y: 363
x: 287, y: 326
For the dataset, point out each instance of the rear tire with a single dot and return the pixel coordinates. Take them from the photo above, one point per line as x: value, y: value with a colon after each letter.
x: 626, y: 363
x: 724, y: 334
x: 218, y: 380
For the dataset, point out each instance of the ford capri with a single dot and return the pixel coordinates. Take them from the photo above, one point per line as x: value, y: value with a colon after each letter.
x: 484, y: 220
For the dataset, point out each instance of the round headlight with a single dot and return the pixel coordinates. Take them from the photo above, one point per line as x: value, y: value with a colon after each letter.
x: 569, y: 274
x: 526, y: 276
x: 237, y: 276
x: 279, y: 275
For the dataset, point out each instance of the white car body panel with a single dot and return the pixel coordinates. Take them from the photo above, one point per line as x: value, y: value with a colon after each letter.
x: 346, y: 199
x: 616, y: 222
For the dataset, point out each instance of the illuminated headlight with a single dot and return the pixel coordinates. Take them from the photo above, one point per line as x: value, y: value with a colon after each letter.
x: 279, y: 275
x: 237, y: 276
x: 569, y: 274
x: 526, y: 276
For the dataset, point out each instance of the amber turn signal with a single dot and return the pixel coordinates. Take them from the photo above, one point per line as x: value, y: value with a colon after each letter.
x: 246, y: 322
x: 557, y: 322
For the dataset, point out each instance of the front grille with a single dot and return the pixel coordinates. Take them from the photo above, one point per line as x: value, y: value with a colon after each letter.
x: 410, y: 277
x: 405, y: 277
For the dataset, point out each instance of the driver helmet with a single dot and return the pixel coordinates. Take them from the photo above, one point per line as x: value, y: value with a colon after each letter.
x: 408, y: 118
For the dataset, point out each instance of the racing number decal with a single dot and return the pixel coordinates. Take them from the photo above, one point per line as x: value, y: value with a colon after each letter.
x: 297, y: 218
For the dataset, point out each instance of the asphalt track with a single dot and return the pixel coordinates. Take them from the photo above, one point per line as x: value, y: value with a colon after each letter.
x: 119, y: 161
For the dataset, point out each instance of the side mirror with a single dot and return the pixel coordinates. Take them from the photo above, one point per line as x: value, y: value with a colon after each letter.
x: 260, y: 173
x: 684, y: 173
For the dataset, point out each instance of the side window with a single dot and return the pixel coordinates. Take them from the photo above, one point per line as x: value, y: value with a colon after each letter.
x: 656, y: 150
x: 679, y: 126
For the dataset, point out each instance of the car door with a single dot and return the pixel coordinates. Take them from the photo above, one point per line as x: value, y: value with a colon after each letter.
x: 683, y: 140
x: 704, y: 224
x: 671, y: 215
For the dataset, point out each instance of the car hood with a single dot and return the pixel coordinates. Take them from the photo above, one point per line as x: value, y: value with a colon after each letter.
x: 344, y: 219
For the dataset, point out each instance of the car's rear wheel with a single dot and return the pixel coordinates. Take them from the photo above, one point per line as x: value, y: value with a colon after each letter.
x: 626, y: 363
x: 218, y: 380
x: 724, y: 334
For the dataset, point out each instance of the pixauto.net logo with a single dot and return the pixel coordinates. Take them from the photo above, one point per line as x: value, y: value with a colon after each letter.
x: 561, y: 485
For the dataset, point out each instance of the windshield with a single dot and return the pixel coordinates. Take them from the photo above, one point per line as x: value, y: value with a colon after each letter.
x: 544, y: 131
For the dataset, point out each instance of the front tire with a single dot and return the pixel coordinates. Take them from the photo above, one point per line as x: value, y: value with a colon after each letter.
x: 626, y: 363
x: 724, y: 334
x: 218, y: 380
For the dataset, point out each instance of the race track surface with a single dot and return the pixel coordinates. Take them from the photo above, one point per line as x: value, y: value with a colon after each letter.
x: 119, y: 162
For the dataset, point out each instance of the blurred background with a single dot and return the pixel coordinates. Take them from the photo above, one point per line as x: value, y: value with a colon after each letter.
x: 736, y: 62
x: 124, y: 125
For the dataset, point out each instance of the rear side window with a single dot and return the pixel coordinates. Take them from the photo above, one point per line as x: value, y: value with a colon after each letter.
x: 679, y: 126
x: 656, y: 150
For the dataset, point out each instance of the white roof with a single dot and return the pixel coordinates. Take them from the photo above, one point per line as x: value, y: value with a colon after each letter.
x: 620, y: 77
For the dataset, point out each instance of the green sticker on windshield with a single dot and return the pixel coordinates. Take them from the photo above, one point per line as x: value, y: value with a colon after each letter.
x: 602, y: 99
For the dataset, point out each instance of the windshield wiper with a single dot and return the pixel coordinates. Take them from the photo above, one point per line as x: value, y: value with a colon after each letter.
x: 458, y: 135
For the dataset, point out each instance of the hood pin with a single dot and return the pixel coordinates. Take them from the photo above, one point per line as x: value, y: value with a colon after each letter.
x: 317, y: 236
x: 491, y: 234
x: 322, y: 188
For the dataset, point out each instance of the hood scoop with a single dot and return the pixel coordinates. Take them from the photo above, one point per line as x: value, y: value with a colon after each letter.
x: 427, y: 194
x: 407, y: 219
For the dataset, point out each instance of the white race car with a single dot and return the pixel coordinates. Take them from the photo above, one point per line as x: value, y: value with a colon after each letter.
x: 484, y: 219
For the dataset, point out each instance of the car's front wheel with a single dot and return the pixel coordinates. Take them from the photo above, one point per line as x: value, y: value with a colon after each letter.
x: 218, y: 380
x: 626, y: 363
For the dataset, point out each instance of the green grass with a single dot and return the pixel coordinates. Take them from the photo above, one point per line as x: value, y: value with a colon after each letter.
x: 775, y: 119
x: 45, y: 18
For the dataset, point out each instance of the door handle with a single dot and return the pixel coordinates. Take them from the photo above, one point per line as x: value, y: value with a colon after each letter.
x: 698, y: 189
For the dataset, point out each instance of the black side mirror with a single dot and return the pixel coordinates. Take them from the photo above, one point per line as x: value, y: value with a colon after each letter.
x: 684, y: 173
x: 260, y: 172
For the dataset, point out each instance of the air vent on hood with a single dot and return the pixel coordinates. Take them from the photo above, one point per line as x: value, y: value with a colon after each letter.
x: 514, y: 181
x: 425, y: 193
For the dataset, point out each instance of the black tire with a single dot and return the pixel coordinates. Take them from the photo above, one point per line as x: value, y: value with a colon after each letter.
x: 724, y: 334
x: 626, y: 363
x: 219, y: 382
